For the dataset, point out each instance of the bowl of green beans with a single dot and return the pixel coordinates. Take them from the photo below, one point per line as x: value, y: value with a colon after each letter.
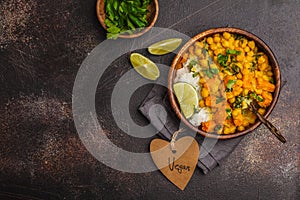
x: 127, y: 18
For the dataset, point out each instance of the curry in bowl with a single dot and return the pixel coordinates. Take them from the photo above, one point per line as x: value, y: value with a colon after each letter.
x: 227, y: 70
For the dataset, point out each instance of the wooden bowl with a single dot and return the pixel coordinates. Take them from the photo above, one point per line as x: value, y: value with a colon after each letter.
x: 262, y: 47
x: 151, y: 18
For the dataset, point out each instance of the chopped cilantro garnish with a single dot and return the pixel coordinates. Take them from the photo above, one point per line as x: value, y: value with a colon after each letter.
x: 220, y: 99
x: 229, y: 84
x: 260, y: 99
x: 235, y: 69
x: 229, y: 114
x: 217, y: 127
x: 214, y: 70
x: 222, y: 60
x: 192, y: 63
x: 232, y: 51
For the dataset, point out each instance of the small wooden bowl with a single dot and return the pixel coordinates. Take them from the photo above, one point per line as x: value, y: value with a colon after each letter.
x: 262, y: 47
x: 151, y: 18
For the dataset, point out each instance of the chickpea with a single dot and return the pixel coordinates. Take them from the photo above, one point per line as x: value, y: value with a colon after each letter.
x: 202, y: 80
x: 232, y: 100
x: 244, y: 43
x: 229, y: 95
x: 239, y: 83
x: 263, y: 66
x: 245, y: 123
x: 198, y: 52
x: 249, y: 58
x: 236, y: 43
x: 247, y: 49
x: 217, y: 39
x: 231, y: 40
x: 240, y: 58
x: 245, y: 92
x: 226, y: 130
x: 239, y: 76
x: 204, y: 92
x: 199, y: 45
x: 261, y: 60
x: 236, y: 112
x: 261, y: 111
x: 191, y: 50
x: 270, y: 74
x: 210, y: 40
x: 266, y: 78
x: 258, y: 91
x: 251, y: 44
x: 247, y: 65
x: 226, y: 35
x: 201, y: 103
x: 250, y: 53
x: 244, y: 105
x: 241, y: 128
x: 203, y: 63
x: 239, y: 65
x: 225, y: 43
x: 216, y: 59
x: 219, y: 45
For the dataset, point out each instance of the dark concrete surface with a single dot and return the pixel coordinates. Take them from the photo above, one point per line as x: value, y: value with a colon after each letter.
x: 43, y: 43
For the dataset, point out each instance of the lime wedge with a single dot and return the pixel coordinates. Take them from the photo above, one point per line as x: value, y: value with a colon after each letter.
x: 164, y: 46
x: 144, y: 66
x: 187, y: 98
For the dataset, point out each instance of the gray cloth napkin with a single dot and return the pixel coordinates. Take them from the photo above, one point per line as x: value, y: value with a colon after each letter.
x: 167, y: 123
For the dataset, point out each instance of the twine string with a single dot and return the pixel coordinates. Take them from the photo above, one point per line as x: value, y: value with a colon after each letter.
x: 174, y: 136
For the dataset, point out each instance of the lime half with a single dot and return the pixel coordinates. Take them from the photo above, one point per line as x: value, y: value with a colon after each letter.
x: 144, y: 66
x: 187, y: 98
x: 164, y: 46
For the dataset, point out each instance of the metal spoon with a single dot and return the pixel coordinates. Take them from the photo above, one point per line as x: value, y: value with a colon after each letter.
x: 269, y: 125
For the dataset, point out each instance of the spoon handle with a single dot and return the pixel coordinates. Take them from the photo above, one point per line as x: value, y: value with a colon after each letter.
x: 268, y: 124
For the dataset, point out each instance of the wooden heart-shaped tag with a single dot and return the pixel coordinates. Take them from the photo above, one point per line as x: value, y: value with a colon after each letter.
x: 177, y: 166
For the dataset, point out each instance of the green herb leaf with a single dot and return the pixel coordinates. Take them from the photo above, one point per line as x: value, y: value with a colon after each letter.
x: 214, y: 70
x: 230, y: 83
x: 124, y: 16
x: 238, y: 37
x: 253, y: 67
x: 232, y: 51
x: 222, y: 60
x: 207, y: 73
x: 108, y: 23
x: 229, y: 113
x: 235, y: 69
x: 217, y: 127
x: 220, y: 99
x: 260, y: 99
x: 195, y: 74
x: 113, y: 29
x: 112, y: 35
x: 192, y: 63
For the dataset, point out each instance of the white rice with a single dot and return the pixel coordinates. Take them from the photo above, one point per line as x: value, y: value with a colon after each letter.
x: 203, y: 115
x: 184, y: 75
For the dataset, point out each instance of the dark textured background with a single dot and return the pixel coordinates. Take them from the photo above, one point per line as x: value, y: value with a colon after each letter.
x: 42, y: 44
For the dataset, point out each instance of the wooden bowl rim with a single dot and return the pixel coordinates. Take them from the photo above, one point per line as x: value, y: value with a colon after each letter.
x: 262, y: 46
x: 100, y: 10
